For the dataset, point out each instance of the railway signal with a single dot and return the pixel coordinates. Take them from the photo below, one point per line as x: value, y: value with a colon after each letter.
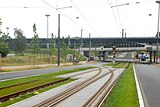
x: 114, y: 49
x: 114, y: 52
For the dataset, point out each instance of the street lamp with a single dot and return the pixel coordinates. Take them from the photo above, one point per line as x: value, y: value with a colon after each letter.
x: 158, y: 28
x: 47, y: 30
x: 80, y: 45
x: 59, y: 33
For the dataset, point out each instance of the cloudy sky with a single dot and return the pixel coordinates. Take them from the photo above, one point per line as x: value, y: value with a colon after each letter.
x: 139, y: 18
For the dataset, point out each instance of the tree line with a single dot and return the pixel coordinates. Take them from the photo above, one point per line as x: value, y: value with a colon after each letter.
x: 19, y: 44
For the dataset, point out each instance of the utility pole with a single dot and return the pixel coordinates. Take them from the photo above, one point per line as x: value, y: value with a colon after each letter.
x: 125, y: 36
x: 89, y: 47
x: 74, y: 56
x: 0, y: 62
x: 80, y: 46
x: 69, y: 41
x: 59, y: 33
x: 122, y: 36
x: 81, y: 38
x: 59, y: 39
x: 158, y: 30
x: 47, y: 30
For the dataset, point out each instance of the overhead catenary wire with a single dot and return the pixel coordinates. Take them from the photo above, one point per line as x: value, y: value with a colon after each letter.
x: 84, y: 17
x: 114, y: 17
x: 62, y: 14
x: 120, y: 24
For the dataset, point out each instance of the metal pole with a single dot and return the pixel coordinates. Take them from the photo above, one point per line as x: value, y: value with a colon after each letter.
x: 81, y: 37
x: 59, y: 39
x: 47, y: 30
x: 89, y: 47
x: 0, y: 62
x: 80, y: 46
x: 122, y: 36
x: 158, y: 29
x: 69, y: 41
x: 74, y: 56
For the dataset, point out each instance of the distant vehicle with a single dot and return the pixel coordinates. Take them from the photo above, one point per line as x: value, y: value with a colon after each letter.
x: 143, y: 56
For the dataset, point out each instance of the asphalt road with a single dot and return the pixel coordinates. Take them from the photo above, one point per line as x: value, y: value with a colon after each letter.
x: 19, y: 74
x: 149, y: 76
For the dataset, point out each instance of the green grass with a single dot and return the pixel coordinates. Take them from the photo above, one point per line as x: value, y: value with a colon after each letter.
x: 119, y: 65
x: 41, y: 79
x: 111, y: 64
x: 7, y: 103
x: 108, y: 64
x: 20, y: 80
x: 124, y: 94
x: 26, y: 86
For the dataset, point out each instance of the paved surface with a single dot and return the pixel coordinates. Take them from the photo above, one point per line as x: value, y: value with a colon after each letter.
x: 18, y: 74
x: 149, y: 76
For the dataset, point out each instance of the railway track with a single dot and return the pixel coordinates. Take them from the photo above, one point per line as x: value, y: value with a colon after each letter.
x: 16, y: 94
x: 103, y: 92
x: 100, y: 94
x: 67, y: 93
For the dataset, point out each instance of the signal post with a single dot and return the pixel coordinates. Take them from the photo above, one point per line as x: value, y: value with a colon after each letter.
x: 114, y: 53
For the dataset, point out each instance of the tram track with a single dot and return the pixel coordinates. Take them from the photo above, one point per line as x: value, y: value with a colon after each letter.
x: 107, y: 91
x: 67, y: 93
x: 22, y: 92
x: 99, y: 75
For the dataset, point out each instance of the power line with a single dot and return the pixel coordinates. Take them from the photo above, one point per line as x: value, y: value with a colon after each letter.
x: 120, y: 24
x: 61, y: 13
x: 114, y: 17
x: 84, y: 17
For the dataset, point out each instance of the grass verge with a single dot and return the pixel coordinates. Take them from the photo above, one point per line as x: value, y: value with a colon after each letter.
x: 110, y: 64
x: 124, y: 94
x: 40, y: 79
x: 7, y: 103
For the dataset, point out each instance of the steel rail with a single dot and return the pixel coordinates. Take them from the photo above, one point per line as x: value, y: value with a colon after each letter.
x: 104, y: 89
x: 65, y: 94
x: 107, y: 92
x: 99, y: 92
x: 13, y: 95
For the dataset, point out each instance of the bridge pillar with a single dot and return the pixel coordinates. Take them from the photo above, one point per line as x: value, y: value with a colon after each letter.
x: 150, y: 56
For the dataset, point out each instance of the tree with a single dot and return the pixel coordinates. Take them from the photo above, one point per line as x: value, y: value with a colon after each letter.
x: 4, y: 48
x: 35, y: 43
x: 52, y: 47
x: 0, y: 26
x: 63, y: 43
x: 19, y: 44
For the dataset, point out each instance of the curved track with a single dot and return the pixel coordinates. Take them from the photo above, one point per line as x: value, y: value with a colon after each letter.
x: 67, y: 93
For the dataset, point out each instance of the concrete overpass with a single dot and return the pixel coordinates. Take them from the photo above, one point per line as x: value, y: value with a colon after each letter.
x: 103, y: 51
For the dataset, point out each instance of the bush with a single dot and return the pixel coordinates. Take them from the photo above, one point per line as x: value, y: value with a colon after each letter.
x: 4, y: 49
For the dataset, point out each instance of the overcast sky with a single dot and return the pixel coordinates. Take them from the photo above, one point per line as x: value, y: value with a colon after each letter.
x: 139, y: 19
